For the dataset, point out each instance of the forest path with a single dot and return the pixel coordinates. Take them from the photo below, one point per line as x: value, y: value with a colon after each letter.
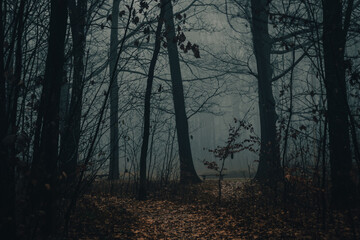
x: 110, y: 217
x: 175, y: 220
x: 194, y: 213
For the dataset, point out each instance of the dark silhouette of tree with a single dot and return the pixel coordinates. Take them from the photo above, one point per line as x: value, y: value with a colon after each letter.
x: 7, y: 214
x: 114, y: 94
x: 187, y: 170
x: 44, y: 165
x: 10, y: 84
x: 71, y: 134
x: 269, y: 169
x: 335, y: 30
x: 149, y: 84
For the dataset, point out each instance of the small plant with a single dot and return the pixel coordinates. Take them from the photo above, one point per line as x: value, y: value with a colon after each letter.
x: 251, y: 143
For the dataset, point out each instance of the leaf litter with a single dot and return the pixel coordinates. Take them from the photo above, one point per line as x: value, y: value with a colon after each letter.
x: 243, y: 214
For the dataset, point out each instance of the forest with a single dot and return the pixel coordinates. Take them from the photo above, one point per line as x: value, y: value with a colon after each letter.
x: 179, y: 119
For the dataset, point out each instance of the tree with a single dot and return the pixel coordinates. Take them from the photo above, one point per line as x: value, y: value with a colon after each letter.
x: 334, y: 44
x: 268, y: 44
x: 269, y: 169
x: 6, y: 221
x: 114, y: 94
x: 147, y: 101
x: 71, y: 134
x: 187, y: 170
x: 44, y: 166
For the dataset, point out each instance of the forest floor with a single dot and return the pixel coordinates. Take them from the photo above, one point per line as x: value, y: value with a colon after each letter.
x: 195, y: 213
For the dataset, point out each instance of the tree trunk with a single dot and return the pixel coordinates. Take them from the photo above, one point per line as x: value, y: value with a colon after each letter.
x: 334, y: 41
x: 114, y: 95
x: 187, y: 170
x: 7, y: 226
x: 269, y: 170
x: 71, y: 134
x: 44, y: 172
x: 9, y: 93
x: 146, y: 134
x: 63, y: 114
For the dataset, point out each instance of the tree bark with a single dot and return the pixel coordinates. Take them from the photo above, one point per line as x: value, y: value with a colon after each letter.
x: 334, y: 42
x: 114, y: 95
x: 187, y: 170
x: 269, y: 170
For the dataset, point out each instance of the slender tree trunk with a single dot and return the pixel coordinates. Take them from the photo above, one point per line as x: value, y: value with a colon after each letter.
x: 334, y: 42
x: 187, y: 170
x: 71, y: 115
x: 114, y: 95
x: 9, y: 92
x: 269, y: 170
x: 18, y: 67
x: 71, y: 134
x: 44, y: 172
x: 146, y: 134
x: 151, y: 169
x: 63, y: 114
x: 7, y: 228
x: 3, y: 112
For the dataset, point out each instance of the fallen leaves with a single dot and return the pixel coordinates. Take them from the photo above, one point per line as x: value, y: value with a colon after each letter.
x: 244, y: 214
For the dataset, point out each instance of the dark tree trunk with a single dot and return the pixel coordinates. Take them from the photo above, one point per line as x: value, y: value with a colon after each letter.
x: 71, y: 133
x: 114, y: 95
x: 3, y: 118
x: 334, y: 42
x: 14, y: 93
x: 187, y: 170
x: 7, y: 227
x: 9, y: 92
x: 269, y: 169
x: 146, y: 134
x: 44, y: 171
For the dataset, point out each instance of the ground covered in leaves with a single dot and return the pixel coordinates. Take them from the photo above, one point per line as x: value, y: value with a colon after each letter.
x: 194, y: 212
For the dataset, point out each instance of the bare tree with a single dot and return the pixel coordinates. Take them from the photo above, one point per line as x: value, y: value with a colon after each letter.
x: 7, y: 214
x: 44, y: 166
x: 187, y: 170
x: 269, y: 169
x: 335, y: 30
x: 149, y: 84
x: 114, y: 94
x: 71, y: 132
